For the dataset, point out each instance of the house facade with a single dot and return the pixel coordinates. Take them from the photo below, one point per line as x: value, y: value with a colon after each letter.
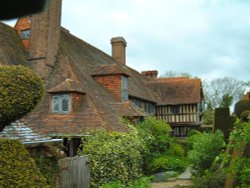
x: 88, y: 89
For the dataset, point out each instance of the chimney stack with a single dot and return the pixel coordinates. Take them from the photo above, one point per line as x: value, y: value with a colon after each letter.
x: 150, y: 74
x: 119, y: 50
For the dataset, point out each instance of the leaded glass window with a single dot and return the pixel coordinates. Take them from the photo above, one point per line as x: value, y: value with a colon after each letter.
x: 61, y: 103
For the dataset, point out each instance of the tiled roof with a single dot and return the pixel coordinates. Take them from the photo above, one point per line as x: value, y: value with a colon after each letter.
x: 111, y: 69
x: 68, y: 86
x: 129, y: 109
x: 174, y: 91
x: 18, y: 131
x: 11, y: 51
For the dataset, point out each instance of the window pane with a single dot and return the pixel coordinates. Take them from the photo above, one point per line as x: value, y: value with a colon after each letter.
x: 25, y: 34
x: 124, y: 88
x: 65, y: 105
x: 55, y: 104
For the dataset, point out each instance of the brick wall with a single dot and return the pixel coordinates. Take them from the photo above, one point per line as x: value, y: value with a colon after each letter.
x: 112, y: 83
x: 23, y: 24
x: 45, y: 33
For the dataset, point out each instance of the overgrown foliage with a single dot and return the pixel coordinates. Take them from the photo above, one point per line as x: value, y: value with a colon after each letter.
x: 114, y: 156
x: 205, y: 148
x: 156, y: 135
x: 17, y: 168
x: 20, y: 90
x: 162, y: 153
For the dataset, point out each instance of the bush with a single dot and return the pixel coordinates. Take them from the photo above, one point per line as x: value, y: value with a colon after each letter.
x: 143, y: 182
x: 210, y: 180
x: 17, y: 168
x: 205, y: 147
x: 156, y: 134
x: 20, y: 90
x: 245, y: 116
x: 241, y: 106
x: 113, y: 156
x: 241, y: 170
x: 168, y: 163
x: 175, y: 150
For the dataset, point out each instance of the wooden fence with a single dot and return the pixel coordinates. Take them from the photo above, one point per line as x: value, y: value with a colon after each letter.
x: 74, y: 173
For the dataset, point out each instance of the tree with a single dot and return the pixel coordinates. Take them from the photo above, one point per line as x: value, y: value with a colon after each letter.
x: 222, y: 92
x: 20, y: 90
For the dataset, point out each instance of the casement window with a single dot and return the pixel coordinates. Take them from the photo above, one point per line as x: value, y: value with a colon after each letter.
x: 25, y: 34
x: 124, y: 88
x: 61, y: 103
x: 149, y: 108
x: 174, y: 109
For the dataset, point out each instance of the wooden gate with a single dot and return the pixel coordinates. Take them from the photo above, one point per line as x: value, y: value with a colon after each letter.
x: 74, y: 172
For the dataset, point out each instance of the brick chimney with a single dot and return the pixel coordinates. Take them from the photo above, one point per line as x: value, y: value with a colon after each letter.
x: 119, y: 50
x: 150, y: 74
x: 44, y: 34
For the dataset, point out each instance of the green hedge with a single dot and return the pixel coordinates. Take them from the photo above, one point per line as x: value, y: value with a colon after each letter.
x: 223, y: 121
x: 17, y: 168
x: 20, y: 90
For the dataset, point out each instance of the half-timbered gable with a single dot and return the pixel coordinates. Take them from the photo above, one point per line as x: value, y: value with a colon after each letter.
x: 179, y: 102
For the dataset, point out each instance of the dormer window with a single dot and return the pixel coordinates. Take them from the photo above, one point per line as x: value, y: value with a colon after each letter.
x: 124, y: 88
x: 25, y: 34
x: 61, y: 103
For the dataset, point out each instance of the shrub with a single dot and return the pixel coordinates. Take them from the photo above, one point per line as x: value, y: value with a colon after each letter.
x: 241, y: 106
x: 143, y: 182
x: 205, y: 147
x: 168, y: 163
x: 17, y: 168
x: 113, y: 156
x: 241, y: 169
x: 156, y: 134
x: 245, y: 116
x: 175, y: 150
x: 210, y: 180
x: 20, y: 90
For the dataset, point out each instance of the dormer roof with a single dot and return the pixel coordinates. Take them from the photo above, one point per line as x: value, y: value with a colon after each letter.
x: 111, y: 69
x: 68, y: 86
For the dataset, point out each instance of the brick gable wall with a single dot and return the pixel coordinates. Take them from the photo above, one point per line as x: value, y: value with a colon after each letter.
x: 23, y: 24
x: 112, y: 83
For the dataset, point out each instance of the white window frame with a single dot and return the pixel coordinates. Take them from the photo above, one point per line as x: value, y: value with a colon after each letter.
x: 57, y: 99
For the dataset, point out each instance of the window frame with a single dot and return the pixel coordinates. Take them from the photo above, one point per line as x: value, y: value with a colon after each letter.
x: 60, y: 101
x: 124, y: 88
x: 25, y: 34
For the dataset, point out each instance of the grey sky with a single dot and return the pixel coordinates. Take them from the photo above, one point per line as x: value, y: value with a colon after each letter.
x: 206, y: 38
